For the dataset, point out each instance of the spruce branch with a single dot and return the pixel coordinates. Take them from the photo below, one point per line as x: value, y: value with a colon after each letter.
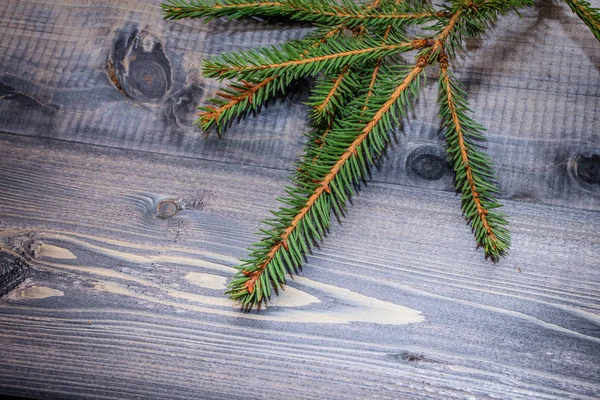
x: 469, y: 18
x: 238, y: 99
x: 473, y: 168
x: 291, y: 60
x: 248, y: 96
x: 589, y: 15
x: 327, y: 12
x: 329, y: 94
x: 363, y: 89
x: 343, y: 161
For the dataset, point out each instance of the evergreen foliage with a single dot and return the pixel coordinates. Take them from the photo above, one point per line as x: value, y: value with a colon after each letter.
x: 364, y: 87
x: 472, y: 167
x: 324, y: 12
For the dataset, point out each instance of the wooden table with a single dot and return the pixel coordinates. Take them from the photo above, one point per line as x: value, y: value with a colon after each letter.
x: 125, y: 223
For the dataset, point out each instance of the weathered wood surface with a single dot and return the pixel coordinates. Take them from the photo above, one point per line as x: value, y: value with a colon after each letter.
x: 143, y: 312
x: 115, y: 74
x: 127, y: 245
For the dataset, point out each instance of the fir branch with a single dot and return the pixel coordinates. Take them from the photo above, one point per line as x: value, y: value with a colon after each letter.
x: 327, y: 12
x: 248, y: 96
x: 292, y: 62
x: 589, y: 15
x: 241, y: 97
x: 326, y: 179
x: 473, y: 169
x: 325, y: 32
x: 329, y: 94
x: 233, y: 9
x: 343, y: 161
x: 444, y: 39
x: 350, y: 134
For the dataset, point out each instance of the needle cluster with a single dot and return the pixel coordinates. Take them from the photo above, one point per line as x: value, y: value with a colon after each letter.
x: 368, y: 70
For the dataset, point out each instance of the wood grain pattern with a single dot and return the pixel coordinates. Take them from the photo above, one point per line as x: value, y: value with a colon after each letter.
x: 116, y: 74
x: 127, y: 223
x: 395, y: 303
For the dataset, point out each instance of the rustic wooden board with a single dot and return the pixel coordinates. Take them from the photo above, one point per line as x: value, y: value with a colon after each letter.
x: 114, y: 73
x: 129, y: 252
x: 127, y: 222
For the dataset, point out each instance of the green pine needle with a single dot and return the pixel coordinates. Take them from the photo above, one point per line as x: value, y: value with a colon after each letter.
x: 236, y: 100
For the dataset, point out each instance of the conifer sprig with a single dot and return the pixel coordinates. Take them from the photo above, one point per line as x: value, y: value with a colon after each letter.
x: 474, y: 175
x: 343, y: 161
x: 330, y: 93
x: 291, y: 60
x: 237, y: 99
x: 363, y: 89
x: 325, y: 12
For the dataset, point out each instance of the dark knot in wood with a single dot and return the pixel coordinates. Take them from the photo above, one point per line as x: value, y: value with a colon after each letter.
x: 588, y: 168
x: 428, y: 165
x: 138, y: 66
x: 167, y: 209
x: 148, y: 76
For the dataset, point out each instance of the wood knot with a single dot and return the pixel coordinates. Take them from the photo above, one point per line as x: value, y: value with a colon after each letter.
x: 138, y: 66
x: 167, y: 209
x: 588, y: 168
x: 428, y: 162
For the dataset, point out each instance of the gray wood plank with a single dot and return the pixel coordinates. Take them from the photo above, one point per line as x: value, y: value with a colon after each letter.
x: 128, y: 253
x: 116, y: 74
